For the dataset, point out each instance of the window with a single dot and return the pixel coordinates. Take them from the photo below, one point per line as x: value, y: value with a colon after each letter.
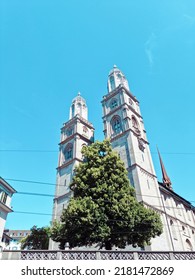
x: 68, y: 152
x: 184, y: 230
x: 134, y: 122
x: 135, y: 125
x: 167, y: 201
x: 178, y: 207
x: 173, y: 229
x: 79, y: 106
x: 112, y: 83
x: 113, y: 103
x: 3, y: 196
x: 85, y: 130
x: 73, y: 110
x: 188, y: 245
x: 116, y: 124
x: 69, y: 131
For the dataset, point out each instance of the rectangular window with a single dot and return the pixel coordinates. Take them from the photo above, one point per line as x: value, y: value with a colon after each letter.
x: 3, y: 197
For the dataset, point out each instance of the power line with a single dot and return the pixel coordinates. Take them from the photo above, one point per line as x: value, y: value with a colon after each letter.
x: 29, y: 151
x: 28, y: 181
x: 109, y: 220
x: 37, y: 194
x: 52, y: 184
x: 56, y: 151
x: 32, y: 213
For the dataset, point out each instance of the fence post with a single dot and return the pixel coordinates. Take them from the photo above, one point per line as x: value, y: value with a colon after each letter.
x: 98, y: 256
x: 171, y: 256
x: 135, y: 256
x: 59, y: 256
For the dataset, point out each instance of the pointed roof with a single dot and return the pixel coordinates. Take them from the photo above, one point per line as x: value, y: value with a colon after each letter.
x: 166, y: 180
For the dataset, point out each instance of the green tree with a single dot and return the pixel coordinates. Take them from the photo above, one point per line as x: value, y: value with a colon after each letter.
x: 38, y: 239
x: 104, y: 209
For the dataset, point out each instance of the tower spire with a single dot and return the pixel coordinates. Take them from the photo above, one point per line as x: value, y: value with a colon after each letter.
x: 166, y: 179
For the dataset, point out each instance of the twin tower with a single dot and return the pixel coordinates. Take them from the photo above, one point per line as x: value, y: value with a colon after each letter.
x: 123, y: 125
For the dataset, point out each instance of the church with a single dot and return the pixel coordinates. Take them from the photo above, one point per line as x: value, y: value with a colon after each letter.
x: 123, y: 125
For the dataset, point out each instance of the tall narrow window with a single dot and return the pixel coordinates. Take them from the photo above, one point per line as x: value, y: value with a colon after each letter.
x: 73, y: 110
x: 79, y: 108
x: 113, y: 103
x: 68, y: 152
x: 116, y: 124
x: 135, y: 125
x: 173, y: 229
x: 134, y: 122
x: 3, y: 197
x: 69, y: 131
x: 112, y: 83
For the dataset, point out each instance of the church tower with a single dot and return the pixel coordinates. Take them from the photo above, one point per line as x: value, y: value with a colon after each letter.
x: 75, y: 133
x: 123, y: 124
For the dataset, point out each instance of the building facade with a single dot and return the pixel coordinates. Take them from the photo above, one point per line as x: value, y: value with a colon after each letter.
x: 6, y: 192
x: 11, y: 238
x: 123, y: 125
x: 75, y: 133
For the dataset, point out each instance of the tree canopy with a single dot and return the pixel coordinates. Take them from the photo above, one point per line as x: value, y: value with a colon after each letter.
x: 38, y: 239
x: 104, y: 210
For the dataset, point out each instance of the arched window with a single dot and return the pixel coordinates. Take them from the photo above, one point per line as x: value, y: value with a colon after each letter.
x: 188, y: 245
x: 112, y: 83
x: 135, y: 125
x: 68, y: 152
x: 134, y: 122
x: 116, y: 124
x: 130, y: 101
x: 79, y: 108
x: 113, y: 103
x: 69, y: 131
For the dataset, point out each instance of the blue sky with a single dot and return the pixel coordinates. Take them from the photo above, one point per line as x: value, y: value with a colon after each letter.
x: 50, y: 50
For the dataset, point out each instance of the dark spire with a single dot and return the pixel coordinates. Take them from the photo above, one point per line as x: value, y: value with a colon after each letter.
x: 166, y: 181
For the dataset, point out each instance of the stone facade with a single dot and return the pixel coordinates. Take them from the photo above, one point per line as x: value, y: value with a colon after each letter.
x: 75, y: 133
x: 123, y: 125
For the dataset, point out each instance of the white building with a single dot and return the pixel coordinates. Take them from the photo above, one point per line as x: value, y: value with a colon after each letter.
x: 75, y: 133
x: 6, y: 192
x: 11, y: 238
x: 124, y: 126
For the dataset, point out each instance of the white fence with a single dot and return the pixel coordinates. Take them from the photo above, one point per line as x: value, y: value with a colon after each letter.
x: 95, y: 255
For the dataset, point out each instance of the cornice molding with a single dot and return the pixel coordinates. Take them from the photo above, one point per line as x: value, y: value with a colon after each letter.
x: 133, y: 166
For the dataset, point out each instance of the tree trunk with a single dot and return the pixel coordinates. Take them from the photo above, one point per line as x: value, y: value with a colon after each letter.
x: 108, y: 245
